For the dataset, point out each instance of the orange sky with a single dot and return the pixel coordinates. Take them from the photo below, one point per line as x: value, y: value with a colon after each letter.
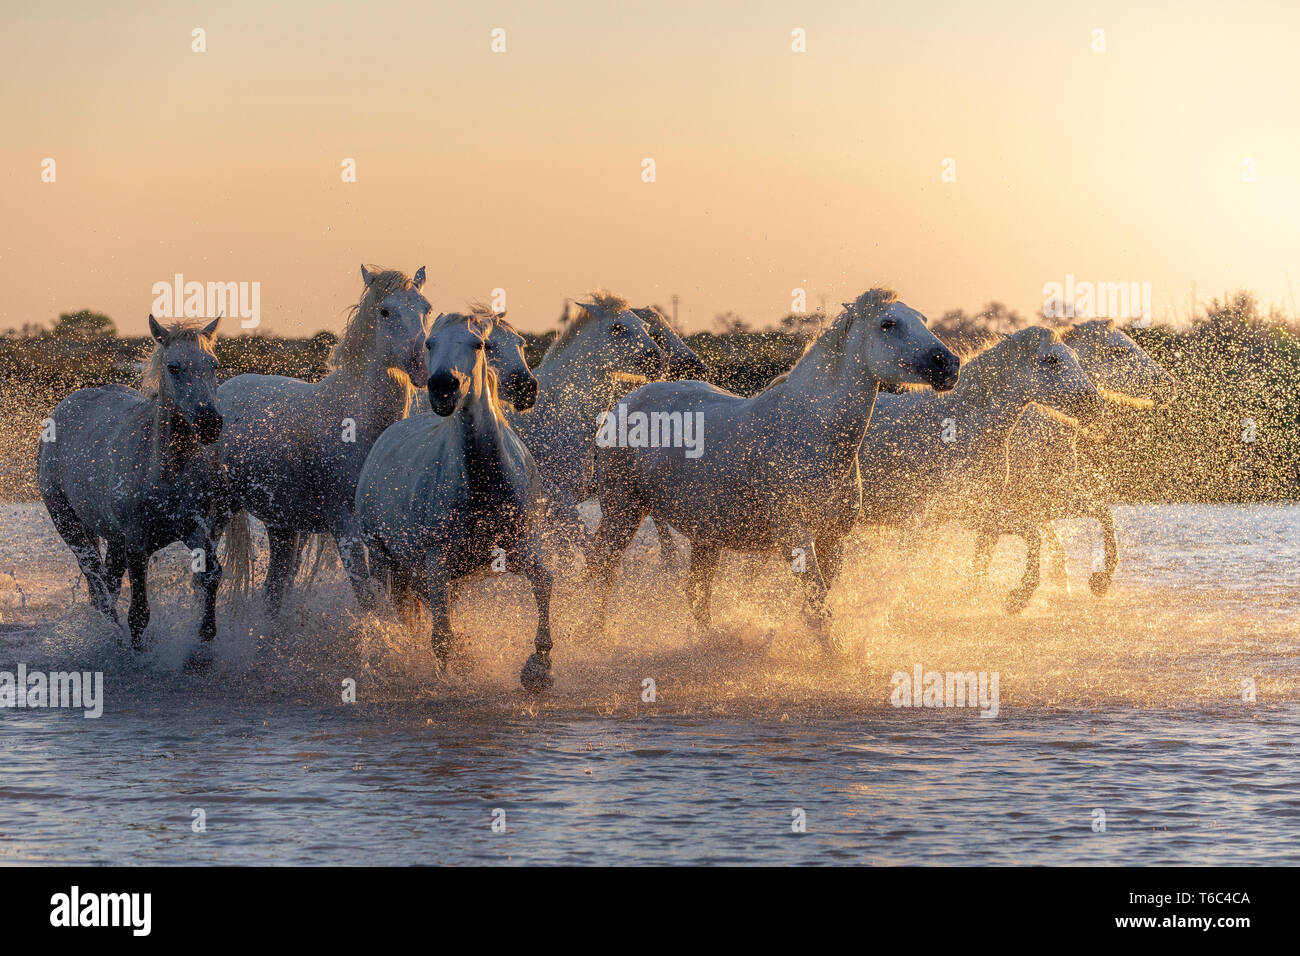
x: 522, y: 170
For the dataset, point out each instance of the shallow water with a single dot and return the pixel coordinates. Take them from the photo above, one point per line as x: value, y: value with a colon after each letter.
x: 1131, y: 705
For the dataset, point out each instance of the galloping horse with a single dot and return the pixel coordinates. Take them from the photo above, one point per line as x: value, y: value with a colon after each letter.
x: 1048, y: 481
x: 137, y: 470
x: 293, y: 449
x: 929, y: 458
x: 579, y: 376
x: 438, y: 496
x: 779, y: 469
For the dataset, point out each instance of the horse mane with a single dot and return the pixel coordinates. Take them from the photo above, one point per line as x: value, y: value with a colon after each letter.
x: 353, y: 347
x: 609, y: 303
x: 831, y: 339
x: 150, y: 379
x: 479, y: 308
x: 1071, y: 332
x: 830, y: 343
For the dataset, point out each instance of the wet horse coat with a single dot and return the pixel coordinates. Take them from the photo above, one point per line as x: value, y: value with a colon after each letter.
x: 778, y: 470
x: 440, y: 494
x: 138, y: 471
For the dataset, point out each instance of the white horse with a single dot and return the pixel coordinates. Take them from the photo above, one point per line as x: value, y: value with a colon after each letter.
x: 587, y: 366
x: 438, y: 496
x: 1047, y: 480
x: 137, y: 470
x: 929, y: 458
x: 293, y: 449
x: 778, y: 470
x: 504, y: 350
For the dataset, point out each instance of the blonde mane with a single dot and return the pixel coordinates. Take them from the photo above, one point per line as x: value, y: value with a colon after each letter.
x: 150, y: 379
x: 609, y: 303
x: 478, y: 313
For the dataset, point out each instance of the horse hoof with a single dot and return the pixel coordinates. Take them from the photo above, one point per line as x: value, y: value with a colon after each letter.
x: 536, y: 676
x: 201, y: 658
x: 1099, y: 582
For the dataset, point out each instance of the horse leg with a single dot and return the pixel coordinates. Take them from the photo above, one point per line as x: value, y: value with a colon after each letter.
x: 279, y: 570
x: 208, y: 580
x: 1056, y: 556
x: 619, y: 521
x: 1020, y: 595
x: 352, y: 552
x: 668, y: 554
x: 830, y: 555
x: 810, y: 574
x: 436, y: 590
x: 115, y: 567
x: 699, y: 586
x: 1100, y: 581
x: 85, y: 548
x: 536, y: 675
x: 986, y: 539
x: 137, y: 618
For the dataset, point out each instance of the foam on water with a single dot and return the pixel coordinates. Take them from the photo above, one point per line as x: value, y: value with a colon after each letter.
x: 1205, y: 598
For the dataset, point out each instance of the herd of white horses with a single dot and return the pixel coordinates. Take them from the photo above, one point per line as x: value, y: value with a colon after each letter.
x: 431, y: 452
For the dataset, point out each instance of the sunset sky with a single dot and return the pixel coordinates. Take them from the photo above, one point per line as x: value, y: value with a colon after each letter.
x: 522, y: 170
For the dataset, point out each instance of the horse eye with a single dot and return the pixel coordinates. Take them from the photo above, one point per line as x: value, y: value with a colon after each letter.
x: 384, y: 313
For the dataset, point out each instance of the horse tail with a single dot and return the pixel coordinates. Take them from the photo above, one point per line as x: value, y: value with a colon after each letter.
x: 404, y: 599
x: 313, y: 555
x: 239, y: 553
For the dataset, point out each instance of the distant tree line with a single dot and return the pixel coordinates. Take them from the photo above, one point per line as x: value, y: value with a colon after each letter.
x: 1231, y: 435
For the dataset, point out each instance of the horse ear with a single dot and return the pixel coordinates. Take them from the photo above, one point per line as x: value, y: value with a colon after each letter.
x: 366, y: 275
x: 417, y: 281
x: 157, y: 331
x: 848, y: 306
x: 210, y: 330
x: 592, y: 309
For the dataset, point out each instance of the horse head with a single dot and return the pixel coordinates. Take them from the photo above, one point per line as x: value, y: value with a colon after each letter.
x: 456, y: 358
x: 505, y: 353
x: 891, y: 340
x: 679, y: 360
x: 184, y: 366
x: 1118, y: 365
x: 615, y: 339
x: 1039, y: 367
x: 398, y: 315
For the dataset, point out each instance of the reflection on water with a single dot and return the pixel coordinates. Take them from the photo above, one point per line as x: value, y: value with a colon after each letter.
x: 1131, y: 705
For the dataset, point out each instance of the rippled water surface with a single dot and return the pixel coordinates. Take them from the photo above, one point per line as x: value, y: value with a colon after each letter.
x: 1131, y: 705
